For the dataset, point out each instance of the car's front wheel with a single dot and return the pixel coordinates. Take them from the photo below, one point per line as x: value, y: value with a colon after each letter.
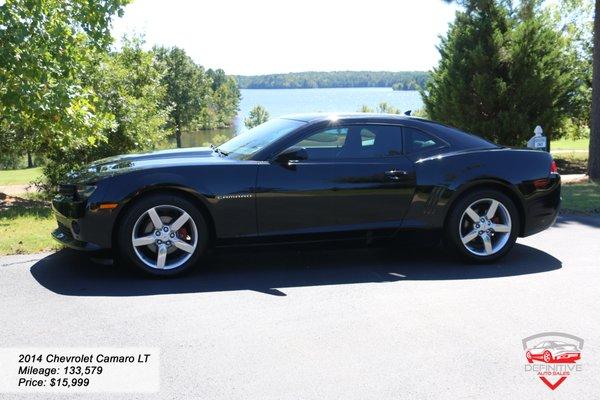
x: 483, y: 225
x: 162, y: 235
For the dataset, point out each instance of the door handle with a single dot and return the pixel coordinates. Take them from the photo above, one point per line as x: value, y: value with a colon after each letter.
x: 395, y: 174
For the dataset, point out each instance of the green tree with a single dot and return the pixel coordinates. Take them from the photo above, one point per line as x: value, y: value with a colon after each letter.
x: 224, y: 97
x: 502, y: 72
x: 421, y: 113
x: 188, y: 89
x: 386, y: 108
x: 594, y: 154
x: 45, y: 48
x: 130, y: 91
x: 575, y: 18
x: 257, y: 116
x: 365, y: 109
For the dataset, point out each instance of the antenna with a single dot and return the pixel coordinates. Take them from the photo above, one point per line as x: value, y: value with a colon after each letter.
x: 407, y: 112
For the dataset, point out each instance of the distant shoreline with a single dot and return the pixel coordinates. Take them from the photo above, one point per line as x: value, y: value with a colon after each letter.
x: 330, y: 87
x: 403, y: 80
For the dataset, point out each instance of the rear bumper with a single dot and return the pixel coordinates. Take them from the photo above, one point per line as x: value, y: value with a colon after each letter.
x: 541, y: 208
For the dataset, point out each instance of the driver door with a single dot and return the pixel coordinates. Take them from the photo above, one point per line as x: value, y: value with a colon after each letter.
x: 354, y: 178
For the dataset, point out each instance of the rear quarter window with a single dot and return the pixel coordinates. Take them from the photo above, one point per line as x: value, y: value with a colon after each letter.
x: 416, y: 141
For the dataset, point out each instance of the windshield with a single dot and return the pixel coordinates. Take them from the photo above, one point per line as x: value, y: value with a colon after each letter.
x: 252, y: 141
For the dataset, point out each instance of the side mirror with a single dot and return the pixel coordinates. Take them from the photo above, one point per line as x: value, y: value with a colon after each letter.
x: 292, y: 154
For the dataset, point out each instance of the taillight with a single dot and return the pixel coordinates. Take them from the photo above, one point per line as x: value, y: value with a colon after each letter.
x: 553, y: 167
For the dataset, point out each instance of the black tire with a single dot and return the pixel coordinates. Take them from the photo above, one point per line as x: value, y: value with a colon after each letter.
x: 126, y: 254
x: 452, y: 234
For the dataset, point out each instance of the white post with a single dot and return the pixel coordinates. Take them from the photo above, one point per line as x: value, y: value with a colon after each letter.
x: 538, y: 141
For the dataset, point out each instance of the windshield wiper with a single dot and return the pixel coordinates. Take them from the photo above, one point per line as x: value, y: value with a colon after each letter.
x: 218, y: 151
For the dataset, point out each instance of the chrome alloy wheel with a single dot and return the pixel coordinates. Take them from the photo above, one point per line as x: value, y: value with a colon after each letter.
x: 485, y: 227
x: 164, y: 237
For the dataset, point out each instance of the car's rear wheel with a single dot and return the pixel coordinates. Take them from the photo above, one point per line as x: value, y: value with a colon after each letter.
x: 162, y: 235
x: 483, y: 225
x: 547, y: 356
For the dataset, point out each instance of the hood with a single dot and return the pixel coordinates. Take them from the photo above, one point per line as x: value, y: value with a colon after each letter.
x: 122, y: 164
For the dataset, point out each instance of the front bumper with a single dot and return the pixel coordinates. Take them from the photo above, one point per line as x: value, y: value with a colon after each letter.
x: 66, y: 239
x: 81, y: 228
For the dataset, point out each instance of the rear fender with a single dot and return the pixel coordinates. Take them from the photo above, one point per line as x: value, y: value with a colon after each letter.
x: 444, y: 178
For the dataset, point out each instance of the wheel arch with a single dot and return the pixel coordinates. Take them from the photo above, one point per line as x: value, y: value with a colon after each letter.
x: 194, y: 197
x: 497, y: 184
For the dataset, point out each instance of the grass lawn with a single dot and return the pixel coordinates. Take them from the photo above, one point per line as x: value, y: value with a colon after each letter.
x: 570, y: 144
x: 26, y: 230
x: 19, y: 176
x: 582, y: 197
x: 571, y: 162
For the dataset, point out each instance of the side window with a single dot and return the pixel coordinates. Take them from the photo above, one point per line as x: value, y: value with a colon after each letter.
x: 324, y: 145
x: 325, y: 139
x: 371, y: 141
x: 367, y: 137
x: 353, y: 141
x: 417, y: 140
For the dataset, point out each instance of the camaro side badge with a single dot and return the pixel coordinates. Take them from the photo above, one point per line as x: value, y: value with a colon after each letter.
x: 552, y: 356
x: 234, y: 196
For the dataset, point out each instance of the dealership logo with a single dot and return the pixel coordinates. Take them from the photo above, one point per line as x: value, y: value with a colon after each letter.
x: 552, y: 356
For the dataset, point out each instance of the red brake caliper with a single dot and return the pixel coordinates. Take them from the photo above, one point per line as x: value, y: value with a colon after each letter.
x: 183, y: 233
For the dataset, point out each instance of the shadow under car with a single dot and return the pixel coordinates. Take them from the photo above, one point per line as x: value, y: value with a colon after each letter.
x: 74, y: 274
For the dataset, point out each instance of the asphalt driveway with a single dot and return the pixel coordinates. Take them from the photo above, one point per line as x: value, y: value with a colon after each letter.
x: 312, y: 324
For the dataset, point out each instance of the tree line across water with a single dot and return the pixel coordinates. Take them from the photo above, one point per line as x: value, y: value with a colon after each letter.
x: 405, y: 80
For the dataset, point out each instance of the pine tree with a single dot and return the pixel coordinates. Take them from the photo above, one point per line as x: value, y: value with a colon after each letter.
x: 501, y: 73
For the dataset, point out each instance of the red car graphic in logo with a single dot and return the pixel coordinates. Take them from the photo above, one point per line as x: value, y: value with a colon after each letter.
x: 556, y: 353
x: 550, y: 351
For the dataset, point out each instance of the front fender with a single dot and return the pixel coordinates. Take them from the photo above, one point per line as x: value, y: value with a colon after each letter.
x: 226, y: 192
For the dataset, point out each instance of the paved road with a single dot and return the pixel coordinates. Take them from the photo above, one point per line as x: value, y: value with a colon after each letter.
x: 323, y: 324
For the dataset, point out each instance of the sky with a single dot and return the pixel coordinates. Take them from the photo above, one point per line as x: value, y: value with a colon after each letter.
x: 261, y: 37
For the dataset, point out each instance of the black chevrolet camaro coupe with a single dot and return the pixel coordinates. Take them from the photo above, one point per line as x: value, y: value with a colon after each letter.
x: 310, y: 178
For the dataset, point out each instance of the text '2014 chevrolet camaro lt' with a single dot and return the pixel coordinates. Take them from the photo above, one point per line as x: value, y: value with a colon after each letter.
x: 306, y: 178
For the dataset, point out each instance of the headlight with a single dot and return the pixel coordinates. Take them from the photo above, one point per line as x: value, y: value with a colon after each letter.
x: 84, y: 192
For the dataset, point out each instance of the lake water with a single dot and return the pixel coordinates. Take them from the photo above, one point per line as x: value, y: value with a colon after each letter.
x: 279, y: 102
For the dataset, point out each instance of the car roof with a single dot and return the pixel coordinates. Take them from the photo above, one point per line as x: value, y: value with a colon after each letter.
x: 457, y: 138
x: 317, y: 117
